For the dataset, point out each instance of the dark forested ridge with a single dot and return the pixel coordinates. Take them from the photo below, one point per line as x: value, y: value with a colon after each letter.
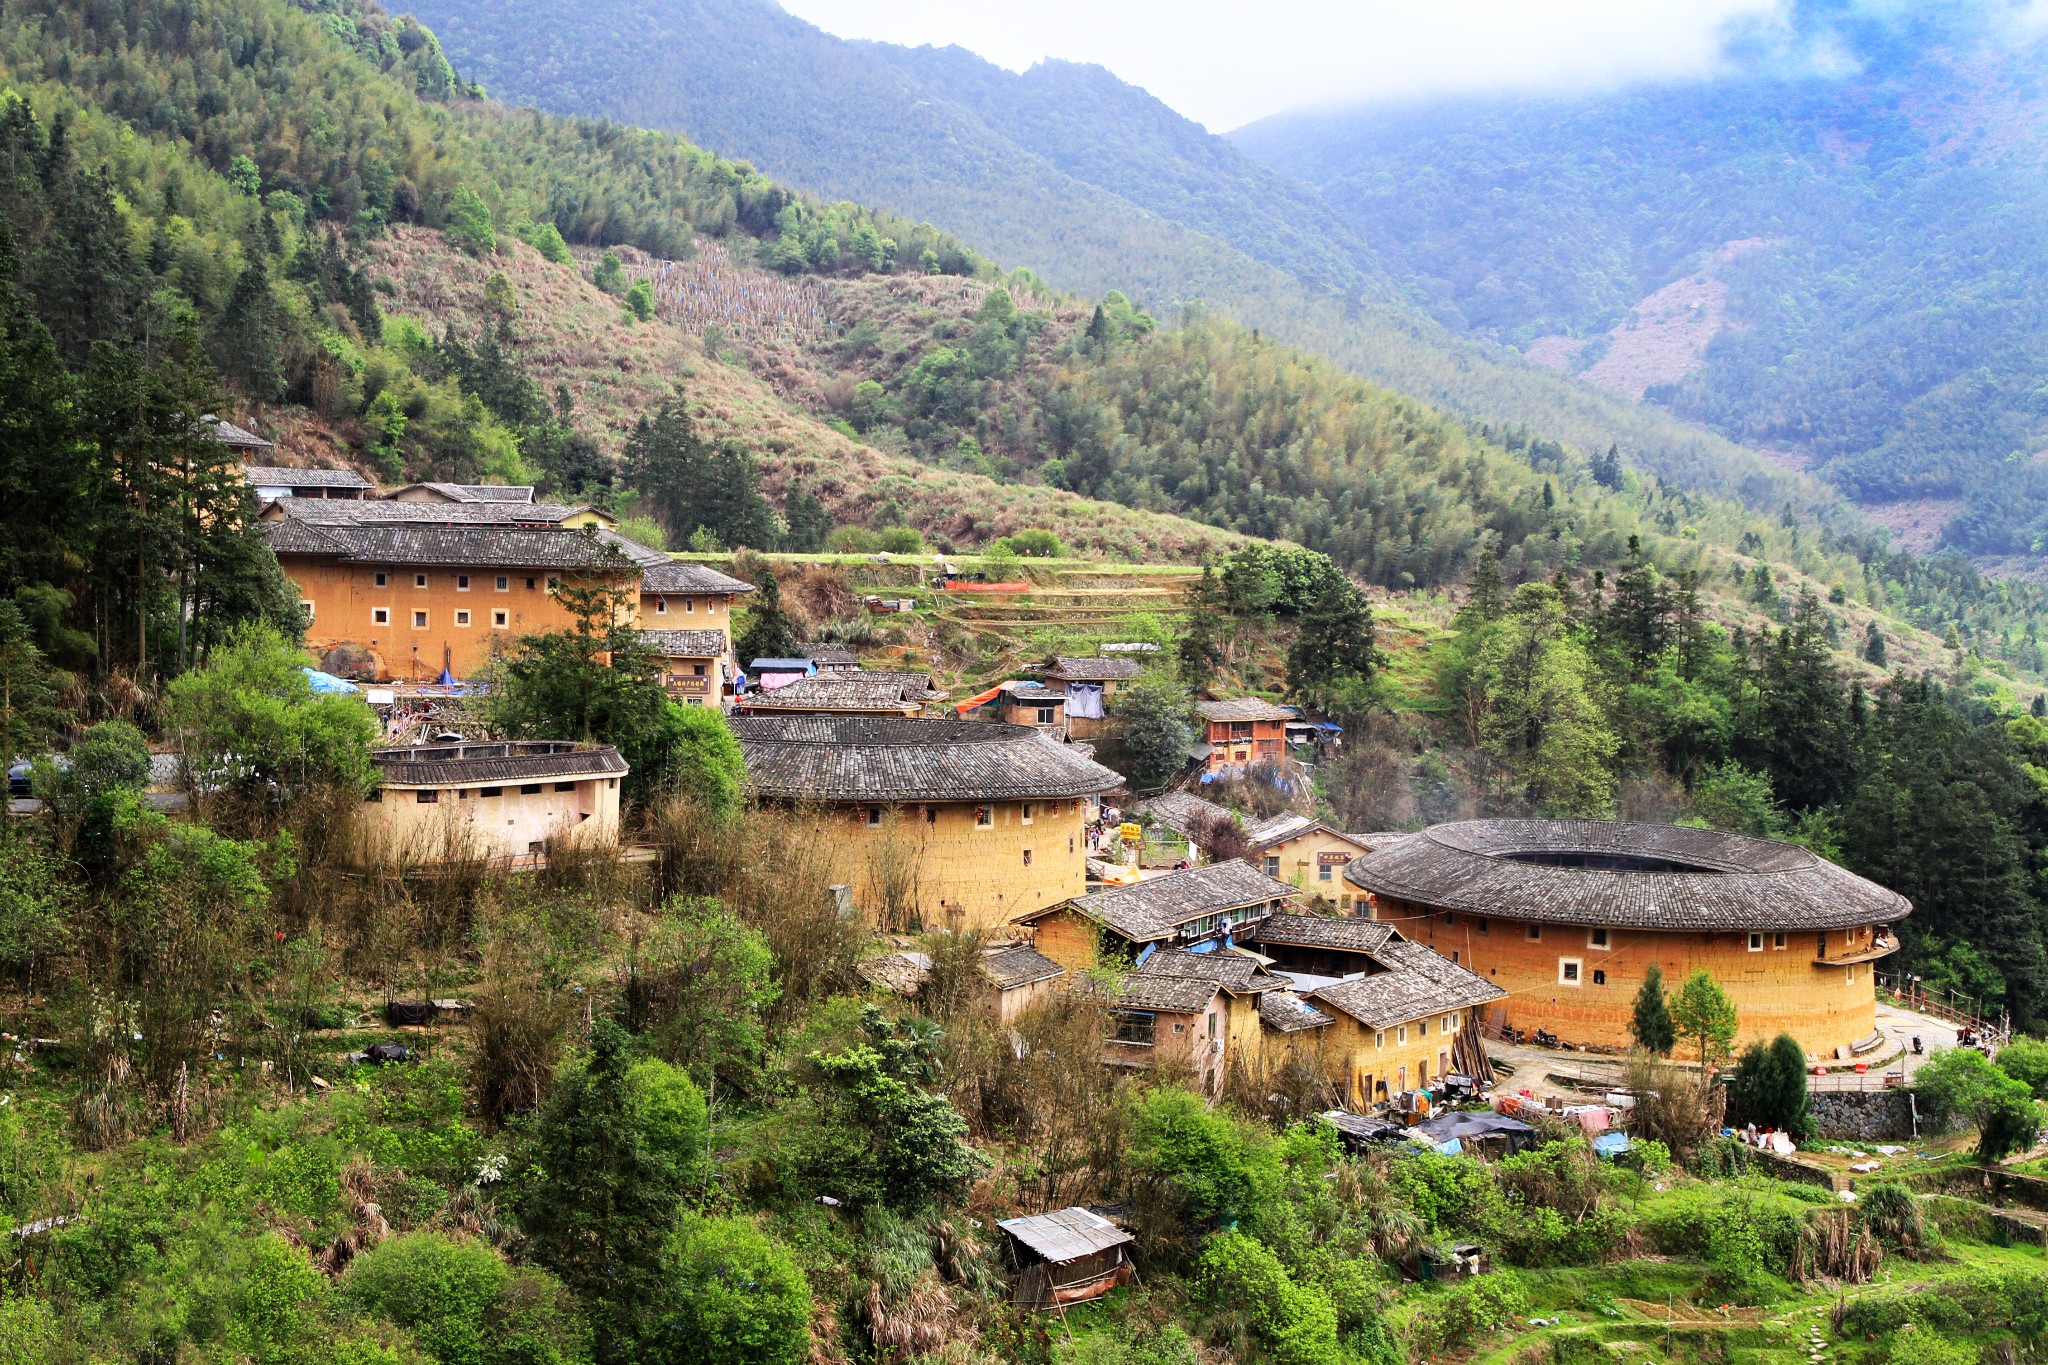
x: 1027, y: 170
x: 1886, y: 322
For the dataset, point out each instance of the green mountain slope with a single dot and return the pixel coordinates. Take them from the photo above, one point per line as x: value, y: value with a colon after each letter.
x: 1885, y: 310
x: 996, y: 160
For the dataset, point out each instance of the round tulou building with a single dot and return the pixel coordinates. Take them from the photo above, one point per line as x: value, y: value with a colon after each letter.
x: 1567, y: 915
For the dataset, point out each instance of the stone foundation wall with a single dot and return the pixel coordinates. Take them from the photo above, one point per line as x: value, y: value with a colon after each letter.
x: 1863, y: 1115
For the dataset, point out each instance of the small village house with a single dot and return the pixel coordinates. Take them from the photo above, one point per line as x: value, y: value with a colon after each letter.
x: 1015, y: 978
x: 691, y: 601
x: 271, y: 482
x: 696, y: 665
x: 1204, y: 906
x: 1065, y: 1257
x: 1243, y: 731
x: 1029, y: 704
x: 502, y: 801
x: 852, y: 692
x: 1090, y: 686
x: 1297, y: 849
x: 947, y: 823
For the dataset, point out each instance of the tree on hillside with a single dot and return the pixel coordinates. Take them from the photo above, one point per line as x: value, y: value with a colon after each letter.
x: 1705, y: 1016
x: 1335, y: 646
x: 1770, y: 1084
x: 1651, y: 1024
x: 1543, y: 722
x: 30, y: 706
x: 1199, y: 649
x: 1961, y: 1083
x: 1150, y: 725
x: 731, y: 1296
x: 770, y: 634
x: 806, y: 520
x: 693, y: 484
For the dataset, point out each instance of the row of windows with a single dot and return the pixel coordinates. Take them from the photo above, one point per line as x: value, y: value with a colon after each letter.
x: 1445, y: 1024
x: 984, y: 815
x: 689, y: 606
x: 1600, y: 937
x: 501, y: 618
x: 499, y: 582
x: 427, y: 796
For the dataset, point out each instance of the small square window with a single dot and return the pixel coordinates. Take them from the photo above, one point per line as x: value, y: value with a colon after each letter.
x: 462, y: 582
x: 492, y: 791
x: 380, y: 616
x: 501, y: 618
x: 419, y: 580
x: 697, y: 670
x: 1422, y: 1028
x: 1568, y: 971
x: 1323, y: 873
x: 1027, y: 857
x: 1401, y: 1034
x: 1756, y: 943
x: 426, y: 796
x: 1599, y: 977
x: 689, y: 606
x: 1534, y: 931
x: 1596, y: 938
x: 553, y: 582
x: 529, y: 584
x: 984, y: 817
x: 565, y: 786
x: 931, y: 815
x: 383, y: 580
x: 1777, y: 941
x: 1027, y: 812
x: 306, y: 608
x: 419, y: 620
x: 461, y: 618
x: 661, y: 606
x: 1273, y: 865
x: 1479, y: 925
x: 503, y: 584
x: 528, y: 789
x: 1379, y: 1040
x: 874, y: 816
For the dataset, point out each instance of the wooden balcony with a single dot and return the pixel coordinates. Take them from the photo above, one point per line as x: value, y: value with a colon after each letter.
x: 1847, y: 959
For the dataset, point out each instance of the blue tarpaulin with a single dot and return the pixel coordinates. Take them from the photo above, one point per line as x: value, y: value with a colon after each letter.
x: 327, y: 682
x: 1610, y: 1145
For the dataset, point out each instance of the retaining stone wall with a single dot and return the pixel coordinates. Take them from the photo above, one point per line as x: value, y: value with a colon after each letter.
x: 1863, y: 1115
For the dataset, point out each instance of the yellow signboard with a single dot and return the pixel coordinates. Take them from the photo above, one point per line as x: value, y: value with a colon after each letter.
x: 1131, y: 831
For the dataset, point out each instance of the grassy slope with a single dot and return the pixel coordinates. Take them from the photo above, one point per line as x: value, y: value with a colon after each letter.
x: 572, y: 333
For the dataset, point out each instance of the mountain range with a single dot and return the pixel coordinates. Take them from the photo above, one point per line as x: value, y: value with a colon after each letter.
x: 1791, y: 267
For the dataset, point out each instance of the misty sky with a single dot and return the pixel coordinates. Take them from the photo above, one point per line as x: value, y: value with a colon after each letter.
x: 1224, y: 63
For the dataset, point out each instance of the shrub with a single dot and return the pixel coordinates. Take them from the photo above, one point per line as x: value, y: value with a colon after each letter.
x: 671, y: 1114
x: 1470, y: 1309
x: 1034, y: 544
x: 1445, y: 1191
x: 28, y: 1331
x: 109, y: 755
x: 2026, y: 1061
x: 1217, y: 1168
x: 444, y: 1290
x: 732, y: 1296
x: 1294, y: 1322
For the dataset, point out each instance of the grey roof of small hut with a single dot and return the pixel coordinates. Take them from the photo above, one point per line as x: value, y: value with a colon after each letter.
x: 1066, y: 1235
x: 1167, y: 994
x: 1183, y: 812
x: 1032, y: 692
x: 476, y: 492
x: 685, y: 644
x: 827, y: 654
x: 228, y: 434
x: 904, y: 973
x: 1094, y: 670
x: 1318, y: 931
x: 1154, y: 908
x: 849, y: 690
x: 456, y: 546
x: 1289, y: 1013
x: 1236, y: 973
x: 904, y: 758
x: 275, y: 476
x: 675, y: 575
x: 448, y: 765
x: 1019, y: 965
x: 1241, y: 708
x: 1419, y: 981
x: 374, y: 511
x: 1717, y: 881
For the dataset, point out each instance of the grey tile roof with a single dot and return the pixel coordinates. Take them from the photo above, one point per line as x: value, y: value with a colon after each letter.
x: 274, y: 476
x: 1156, y: 907
x: 1066, y: 1235
x: 1278, y: 829
x: 1240, y: 708
x: 1419, y: 981
x: 1622, y: 874
x: 476, y: 492
x: 443, y: 765
x: 1317, y: 931
x: 828, y: 654
x: 853, y: 690
x: 1019, y: 965
x: 1033, y: 693
x: 1289, y: 1013
x: 1184, y: 811
x: 685, y: 644
x: 228, y: 434
x: 1236, y: 973
x: 678, y: 576
x: 373, y: 511
x: 454, y: 546
x: 1093, y: 670
x: 1171, y: 994
x: 901, y: 758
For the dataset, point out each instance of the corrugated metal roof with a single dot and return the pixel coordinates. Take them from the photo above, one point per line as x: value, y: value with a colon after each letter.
x: 903, y: 758
x: 1065, y: 1235
x: 1717, y: 881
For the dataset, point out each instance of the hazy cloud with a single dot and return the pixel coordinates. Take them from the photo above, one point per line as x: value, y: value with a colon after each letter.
x: 1228, y: 62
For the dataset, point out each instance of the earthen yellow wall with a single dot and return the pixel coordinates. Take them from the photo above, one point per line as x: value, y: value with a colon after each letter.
x: 345, y: 596
x: 688, y: 611
x: 1358, y: 1060
x: 1777, y: 990
x: 968, y: 877
x: 1182, y: 1042
x: 504, y: 826
x: 1068, y: 939
x: 1300, y: 864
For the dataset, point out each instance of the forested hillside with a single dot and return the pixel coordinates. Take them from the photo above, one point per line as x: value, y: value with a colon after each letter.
x: 1884, y: 323
x: 1026, y: 170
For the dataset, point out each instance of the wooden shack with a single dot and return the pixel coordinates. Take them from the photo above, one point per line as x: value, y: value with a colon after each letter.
x: 1065, y: 1257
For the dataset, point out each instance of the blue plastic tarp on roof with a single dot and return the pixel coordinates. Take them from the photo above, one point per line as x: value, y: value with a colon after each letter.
x: 327, y: 682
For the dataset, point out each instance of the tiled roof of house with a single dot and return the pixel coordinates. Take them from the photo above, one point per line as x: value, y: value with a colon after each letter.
x: 828, y: 654
x: 1032, y: 692
x: 1241, y: 708
x: 448, y: 765
x: 851, y: 690
x: 1173, y: 994
x: 1019, y: 965
x: 1419, y: 981
x: 274, y: 476
x: 1317, y: 931
x: 1236, y: 973
x: 1184, y: 811
x: 228, y: 434
x: 685, y: 644
x: 1094, y: 670
x: 1622, y: 874
x: 1278, y: 829
x: 902, y: 758
x: 1156, y: 907
x: 1289, y: 1013
x: 457, y: 546
x: 675, y: 575
x: 476, y: 492
x: 375, y: 511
